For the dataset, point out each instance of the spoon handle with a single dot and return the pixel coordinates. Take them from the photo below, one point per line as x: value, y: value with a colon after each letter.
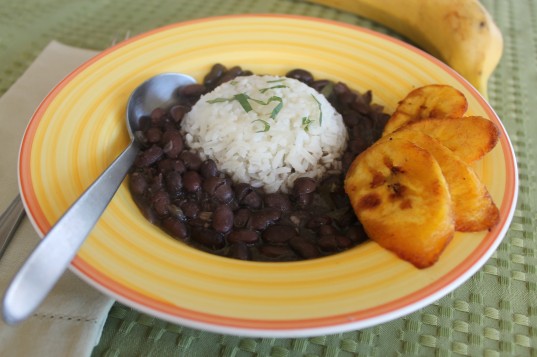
x: 54, y: 253
x: 9, y: 221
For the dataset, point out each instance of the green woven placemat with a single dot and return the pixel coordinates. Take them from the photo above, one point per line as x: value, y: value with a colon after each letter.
x: 493, y: 314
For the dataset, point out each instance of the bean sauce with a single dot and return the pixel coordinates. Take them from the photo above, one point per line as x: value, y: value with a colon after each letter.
x: 196, y: 203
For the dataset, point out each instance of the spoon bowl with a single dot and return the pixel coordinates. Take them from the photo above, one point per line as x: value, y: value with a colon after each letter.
x: 47, y: 263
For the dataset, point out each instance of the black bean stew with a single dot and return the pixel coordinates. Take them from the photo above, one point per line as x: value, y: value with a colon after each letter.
x: 197, y: 204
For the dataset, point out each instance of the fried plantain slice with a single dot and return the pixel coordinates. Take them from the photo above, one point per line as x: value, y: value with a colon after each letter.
x: 400, y: 195
x: 470, y: 138
x: 431, y: 101
x: 473, y: 207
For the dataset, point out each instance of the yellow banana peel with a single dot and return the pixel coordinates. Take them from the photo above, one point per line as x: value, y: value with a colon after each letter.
x: 459, y: 32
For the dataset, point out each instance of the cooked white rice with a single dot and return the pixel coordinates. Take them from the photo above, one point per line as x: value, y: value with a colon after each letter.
x: 253, y: 142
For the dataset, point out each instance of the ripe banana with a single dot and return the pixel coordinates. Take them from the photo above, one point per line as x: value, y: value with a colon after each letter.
x: 459, y: 32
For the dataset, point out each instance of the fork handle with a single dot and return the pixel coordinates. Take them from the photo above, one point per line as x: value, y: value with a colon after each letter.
x: 9, y: 221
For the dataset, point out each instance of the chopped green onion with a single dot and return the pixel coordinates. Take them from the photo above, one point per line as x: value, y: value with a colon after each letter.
x: 320, y: 110
x: 243, y: 101
x: 277, y: 108
x: 266, y: 126
x: 263, y: 90
x: 277, y: 80
x: 220, y: 100
x: 306, y: 121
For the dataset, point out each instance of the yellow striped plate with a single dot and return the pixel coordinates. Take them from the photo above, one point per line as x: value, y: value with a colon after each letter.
x: 80, y: 128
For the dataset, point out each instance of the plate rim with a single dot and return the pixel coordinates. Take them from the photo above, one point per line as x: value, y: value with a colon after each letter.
x: 457, y: 280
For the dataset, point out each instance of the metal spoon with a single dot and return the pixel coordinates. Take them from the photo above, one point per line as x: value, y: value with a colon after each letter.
x: 54, y: 253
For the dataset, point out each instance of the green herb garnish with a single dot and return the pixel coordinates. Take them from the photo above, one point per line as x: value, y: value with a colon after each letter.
x: 263, y: 90
x: 220, y: 100
x: 243, y: 101
x: 306, y: 121
x: 277, y: 108
x: 266, y: 126
x: 277, y: 80
x: 320, y: 111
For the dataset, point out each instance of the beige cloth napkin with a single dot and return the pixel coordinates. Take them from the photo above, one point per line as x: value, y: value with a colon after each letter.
x: 70, y: 321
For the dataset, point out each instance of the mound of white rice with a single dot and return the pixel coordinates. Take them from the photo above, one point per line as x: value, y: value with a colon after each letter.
x: 267, y: 131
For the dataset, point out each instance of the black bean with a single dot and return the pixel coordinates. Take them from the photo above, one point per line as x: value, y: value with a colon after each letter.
x: 144, y: 123
x: 138, y: 184
x: 153, y: 135
x: 222, y: 219
x: 191, y: 209
x: 192, y: 181
x: 241, y: 218
x: 278, y: 200
x: 252, y: 200
x: 211, y: 183
x: 219, y: 187
x: 209, y: 238
x: 357, y: 234
x: 347, y: 99
x: 304, y: 200
x: 191, y: 160
x: 317, y: 221
x: 347, y: 219
x: 241, y: 190
x: 351, y: 118
x: 149, y: 156
x: 178, y: 112
x: 299, y: 218
x: 224, y: 192
x: 212, y: 78
x: 208, y: 168
x: 328, y: 243
x: 240, y: 251
x: 172, y: 143
x: 157, y: 115
x: 147, y: 210
x: 157, y: 183
x: 160, y: 202
x: 230, y: 74
x: 175, y: 227
x: 344, y: 242
x: 247, y: 196
x: 334, y: 242
x: 246, y: 236
x: 198, y: 223
x: 174, y: 182
x: 167, y: 165
x: 301, y: 75
x: 304, y: 185
x: 192, y: 90
x: 326, y: 229
x: 304, y: 248
x: 279, y: 252
x: 279, y: 234
x: 262, y: 219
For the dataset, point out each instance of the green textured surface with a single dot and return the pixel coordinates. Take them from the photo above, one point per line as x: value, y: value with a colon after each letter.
x: 493, y: 314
